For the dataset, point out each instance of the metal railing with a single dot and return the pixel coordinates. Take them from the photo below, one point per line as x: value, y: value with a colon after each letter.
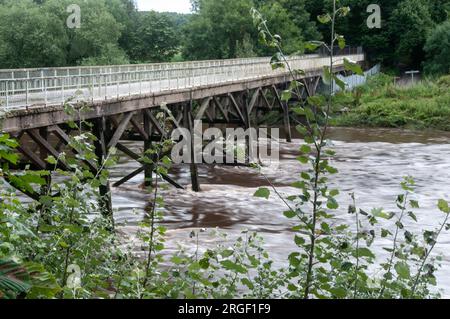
x: 21, y: 88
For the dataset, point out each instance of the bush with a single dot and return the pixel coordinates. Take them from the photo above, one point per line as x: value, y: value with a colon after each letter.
x: 437, y: 49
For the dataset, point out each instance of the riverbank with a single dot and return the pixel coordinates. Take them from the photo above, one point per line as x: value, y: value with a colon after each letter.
x: 381, y: 103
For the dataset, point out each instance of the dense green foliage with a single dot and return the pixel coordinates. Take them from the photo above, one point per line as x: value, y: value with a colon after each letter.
x: 404, y: 28
x: 227, y: 28
x: 380, y: 103
x: 437, y: 49
x: 111, y: 32
x: 114, y: 32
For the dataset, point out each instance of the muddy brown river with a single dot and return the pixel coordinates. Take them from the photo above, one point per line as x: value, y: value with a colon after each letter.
x: 371, y: 164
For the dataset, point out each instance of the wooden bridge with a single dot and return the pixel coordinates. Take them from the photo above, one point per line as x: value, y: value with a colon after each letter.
x: 124, y: 100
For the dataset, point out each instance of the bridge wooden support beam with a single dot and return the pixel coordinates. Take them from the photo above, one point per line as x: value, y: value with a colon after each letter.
x: 129, y: 176
x: 285, y: 108
x: 101, y: 151
x: 65, y: 140
x: 188, y: 122
x: 246, y: 111
x: 148, y: 171
x: 145, y: 167
x: 311, y: 84
x: 40, y: 137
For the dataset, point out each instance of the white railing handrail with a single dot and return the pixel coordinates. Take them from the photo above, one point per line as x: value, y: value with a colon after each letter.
x: 184, y: 64
x: 117, y: 81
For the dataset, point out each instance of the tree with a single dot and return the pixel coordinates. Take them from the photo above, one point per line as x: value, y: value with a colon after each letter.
x: 29, y: 37
x: 290, y: 20
x: 409, y: 24
x: 98, y: 35
x: 216, y: 28
x: 221, y: 29
x: 437, y: 48
x: 154, y: 38
x: 404, y: 26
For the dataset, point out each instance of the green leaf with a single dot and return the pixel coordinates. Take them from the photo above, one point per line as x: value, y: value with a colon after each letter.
x: 343, y: 11
x: 294, y: 84
x: 332, y: 203
x: 365, y: 252
x: 248, y: 283
x: 408, y: 236
x: 309, y: 114
x: 339, y: 82
x: 413, y: 216
x: 286, y: 95
x: 334, y: 192
x: 204, y: 263
x: 292, y: 287
x: 324, y: 19
x: 289, y: 214
x: 326, y: 75
x: 346, y: 266
x: 338, y: 292
x: 443, y: 206
x: 331, y: 169
x: 306, y: 149
x: 378, y: 212
x: 414, y: 203
x: 341, y: 42
x: 315, y: 100
x: 301, y: 129
x: 276, y: 61
x: 299, y: 241
x: 263, y: 192
x: 229, y: 265
x: 352, y: 66
x: 299, y: 110
x: 385, y: 233
x: 313, y: 45
x: 303, y: 159
x: 402, y: 270
x: 305, y: 176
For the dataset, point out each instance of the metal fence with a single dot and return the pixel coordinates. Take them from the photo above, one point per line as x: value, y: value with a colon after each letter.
x: 355, y: 80
x: 53, y: 86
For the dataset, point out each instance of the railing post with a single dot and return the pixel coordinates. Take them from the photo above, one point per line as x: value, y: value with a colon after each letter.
x: 42, y: 80
x: 26, y: 93
x: 7, y: 94
x: 13, y: 83
x: 62, y: 85
x: 44, y: 83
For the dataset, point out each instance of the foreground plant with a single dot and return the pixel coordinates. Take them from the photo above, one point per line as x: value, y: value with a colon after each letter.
x: 62, y: 246
x: 333, y: 261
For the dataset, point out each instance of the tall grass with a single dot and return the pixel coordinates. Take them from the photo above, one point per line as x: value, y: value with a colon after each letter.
x: 380, y: 103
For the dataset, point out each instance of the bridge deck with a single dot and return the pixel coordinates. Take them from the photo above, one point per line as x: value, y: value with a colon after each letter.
x: 31, y: 92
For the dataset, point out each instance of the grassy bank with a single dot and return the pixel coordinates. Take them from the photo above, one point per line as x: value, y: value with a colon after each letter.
x: 380, y: 103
